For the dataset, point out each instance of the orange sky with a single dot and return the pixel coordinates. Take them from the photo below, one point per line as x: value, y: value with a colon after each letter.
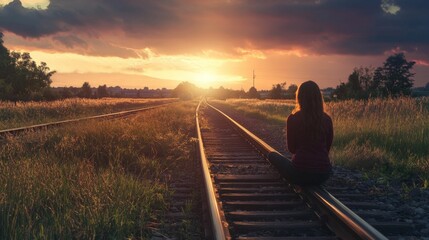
x: 210, y: 43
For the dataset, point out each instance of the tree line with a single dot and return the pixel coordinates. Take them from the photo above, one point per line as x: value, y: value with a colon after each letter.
x: 393, y: 79
x: 187, y: 90
x: 279, y: 91
x: 102, y: 91
x: 83, y: 92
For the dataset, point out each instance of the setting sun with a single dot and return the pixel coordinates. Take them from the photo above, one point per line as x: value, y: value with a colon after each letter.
x: 205, y: 79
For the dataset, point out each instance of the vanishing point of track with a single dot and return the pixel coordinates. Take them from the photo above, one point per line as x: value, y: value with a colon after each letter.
x: 249, y: 199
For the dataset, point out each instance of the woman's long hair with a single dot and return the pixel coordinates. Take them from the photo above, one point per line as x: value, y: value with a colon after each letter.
x: 309, y: 101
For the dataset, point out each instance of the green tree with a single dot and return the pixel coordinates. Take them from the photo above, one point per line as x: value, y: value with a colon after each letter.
x: 186, y: 91
x: 357, y: 86
x: 66, y: 93
x: 396, y: 78
x: 278, y: 91
x: 102, y: 91
x: 340, y: 92
x: 24, y: 79
x: 21, y: 78
x: 5, y: 71
x: 85, y: 91
x: 354, y: 88
x: 291, y: 91
x: 375, y: 88
x: 29, y: 78
x: 253, y: 93
x: 4, y: 58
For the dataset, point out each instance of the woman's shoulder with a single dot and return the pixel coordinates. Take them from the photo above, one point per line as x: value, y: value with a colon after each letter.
x: 325, y: 115
x: 295, y: 116
x: 327, y: 118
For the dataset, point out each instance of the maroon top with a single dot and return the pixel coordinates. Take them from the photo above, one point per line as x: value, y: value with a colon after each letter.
x: 309, y: 155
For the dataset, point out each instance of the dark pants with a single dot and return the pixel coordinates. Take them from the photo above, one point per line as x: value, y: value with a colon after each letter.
x: 296, y: 176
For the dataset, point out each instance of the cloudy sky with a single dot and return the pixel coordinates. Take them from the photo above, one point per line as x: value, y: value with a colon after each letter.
x: 159, y: 43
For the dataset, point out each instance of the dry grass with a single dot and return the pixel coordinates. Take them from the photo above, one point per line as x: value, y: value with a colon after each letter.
x: 274, y: 111
x: 393, y: 134
x: 28, y: 113
x: 94, y: 180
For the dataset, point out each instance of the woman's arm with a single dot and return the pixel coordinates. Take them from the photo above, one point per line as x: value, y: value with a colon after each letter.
x: 291, y: 134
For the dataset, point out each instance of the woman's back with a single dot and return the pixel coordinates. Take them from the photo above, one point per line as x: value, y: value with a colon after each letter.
x: 309, y: 138
x: 309, y: 153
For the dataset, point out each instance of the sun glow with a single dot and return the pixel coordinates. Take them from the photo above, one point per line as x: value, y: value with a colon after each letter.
x: 205, y: 79
x: 201, y: 71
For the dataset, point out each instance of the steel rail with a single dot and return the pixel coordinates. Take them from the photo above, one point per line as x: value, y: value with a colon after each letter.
x: 340, y: 217
x: 57, y: 123
x: 343, y: 221
x: 218, y: 223
x: 259, y: 143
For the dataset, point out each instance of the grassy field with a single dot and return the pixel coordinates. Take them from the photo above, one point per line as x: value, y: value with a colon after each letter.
x: 94, y: 180
x: 28, y: 113
x: 274, y: 111
x: 388, y: 138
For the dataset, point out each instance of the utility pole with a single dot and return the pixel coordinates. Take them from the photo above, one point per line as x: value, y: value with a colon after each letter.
x: 254, y: 77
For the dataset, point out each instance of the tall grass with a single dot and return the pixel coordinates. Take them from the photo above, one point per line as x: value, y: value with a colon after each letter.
x: 93, y: 180
x: 27, y: 113
x: 389, y: 137
x: 274, y: 111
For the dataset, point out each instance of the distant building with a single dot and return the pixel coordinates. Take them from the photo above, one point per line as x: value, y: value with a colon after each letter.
x: 327, y: 93
x: 264, y: 94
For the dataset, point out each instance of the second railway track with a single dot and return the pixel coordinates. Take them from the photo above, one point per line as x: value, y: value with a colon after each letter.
x: 249, y: 199
x: 114, y: 115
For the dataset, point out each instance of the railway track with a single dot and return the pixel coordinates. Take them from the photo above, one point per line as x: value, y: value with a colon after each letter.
x: 248, y: 199
x: 120, y: 114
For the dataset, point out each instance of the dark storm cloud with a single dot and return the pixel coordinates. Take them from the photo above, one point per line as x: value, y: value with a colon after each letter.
x: 358, y: 27
x: 337, y: 26
x: 63, y: 15
x: 27, y: 22
x: 71, y: 41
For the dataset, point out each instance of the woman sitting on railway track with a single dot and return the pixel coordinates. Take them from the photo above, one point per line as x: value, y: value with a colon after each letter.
x: 309, y: 133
